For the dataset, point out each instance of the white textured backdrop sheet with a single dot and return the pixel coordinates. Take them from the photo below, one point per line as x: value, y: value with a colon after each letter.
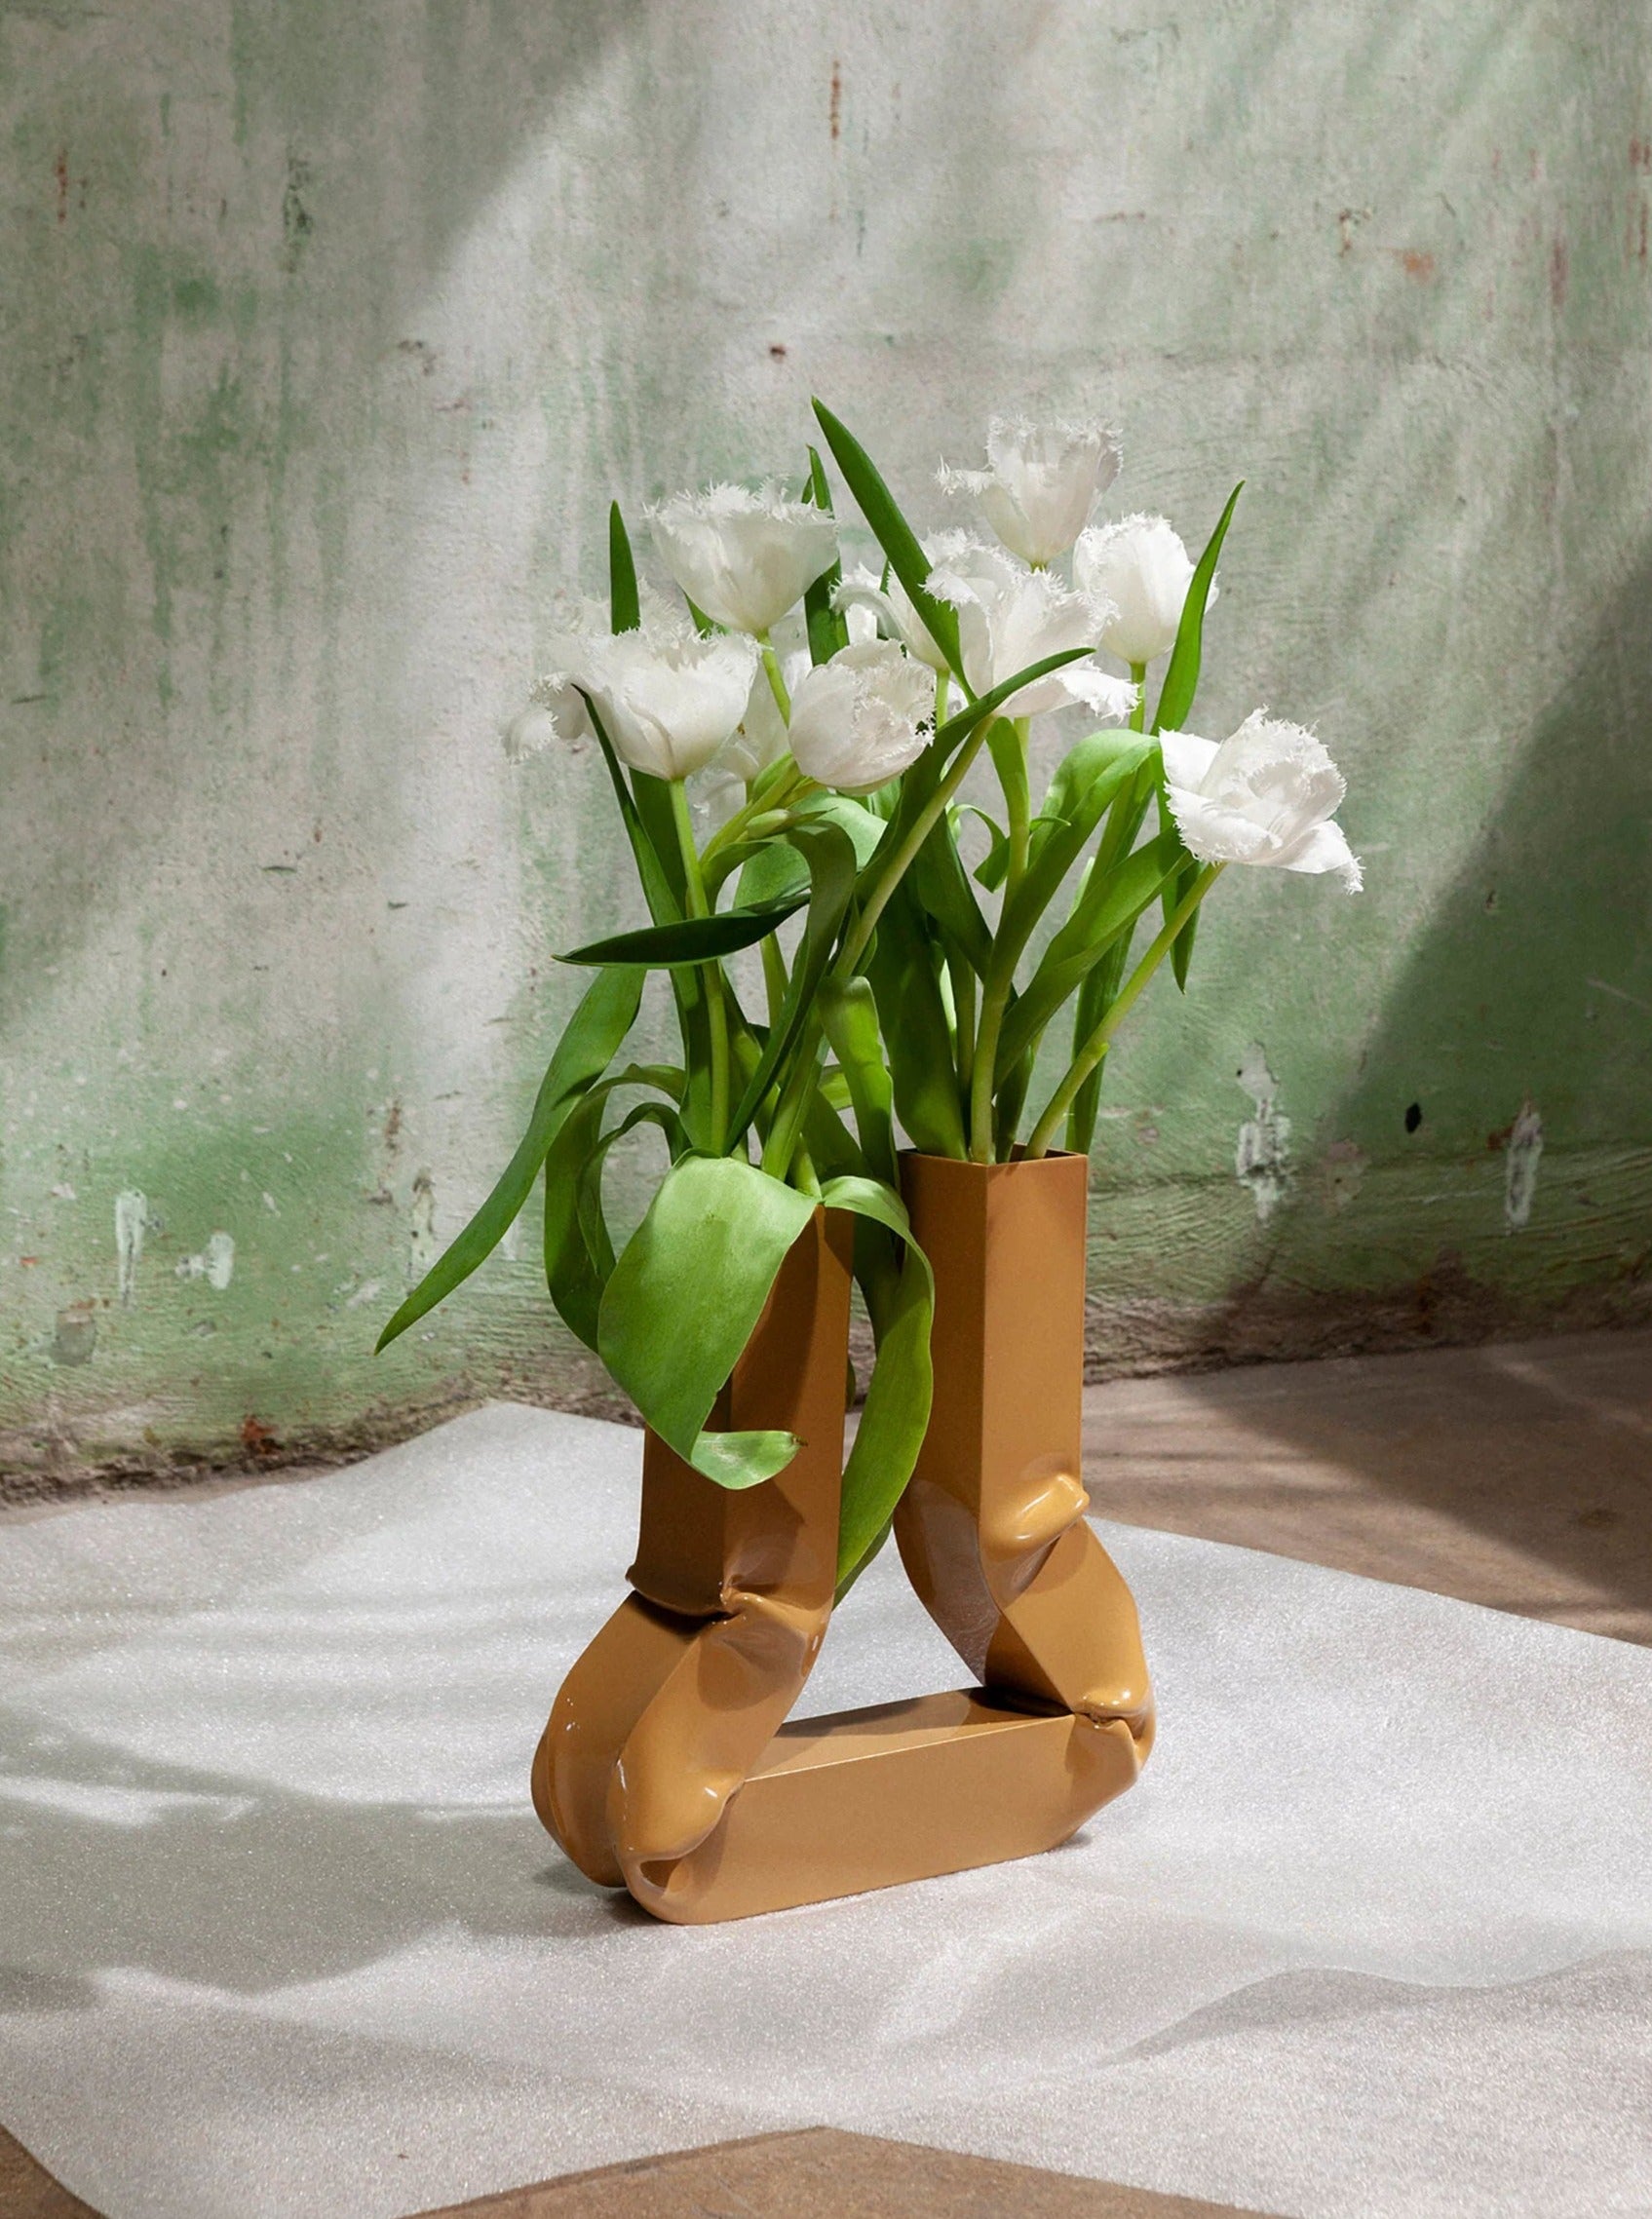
x: 279, y: 1933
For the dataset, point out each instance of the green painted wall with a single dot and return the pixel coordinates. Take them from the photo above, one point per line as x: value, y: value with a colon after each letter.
x: 326, y: 333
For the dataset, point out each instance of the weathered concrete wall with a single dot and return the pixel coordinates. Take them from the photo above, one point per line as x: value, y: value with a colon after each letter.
x: 326, y: 334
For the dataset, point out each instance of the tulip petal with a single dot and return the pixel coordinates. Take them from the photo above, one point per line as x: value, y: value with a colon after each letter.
x: 1326, y: 848
x: 1214, y: 833
x: 1107, y: 696
x: 1188, y: 758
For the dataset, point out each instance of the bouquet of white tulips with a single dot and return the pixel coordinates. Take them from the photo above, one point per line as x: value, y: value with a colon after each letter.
x: 898, y: 997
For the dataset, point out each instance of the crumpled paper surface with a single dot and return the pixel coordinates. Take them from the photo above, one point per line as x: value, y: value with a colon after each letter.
x: 279, y: 1933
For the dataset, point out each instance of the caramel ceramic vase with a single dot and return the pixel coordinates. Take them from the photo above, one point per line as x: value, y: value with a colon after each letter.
x: 668, y: 1766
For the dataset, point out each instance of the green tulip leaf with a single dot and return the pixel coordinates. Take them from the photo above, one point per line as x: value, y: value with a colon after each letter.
x: 1181, y: 677
x: 1106, y: 914
x: 900, y: 1301
x: 695, y: 939
x: 579, y: 1255
x: 1086, y: 784
x: 939, y: 880
x: 664, y: 904
x: 1175, y: 705
x: 588, y: 1045
x: 905, y: 971
x: 848, y: 1013
x: 827, y: 629
x: 777, y: 867
x: 896, y: 538
x: 624, y: 605
x: 684, y: 1298
x: 830, y: 854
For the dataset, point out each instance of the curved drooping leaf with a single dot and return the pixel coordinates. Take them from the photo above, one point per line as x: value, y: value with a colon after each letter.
x: 587, y: 1048
x: 893, y: 533
x: 993, y: 867
x: 693, y: 940
x: 900, y: 1300
x: 579, y: 1255
x: 684, y: 1298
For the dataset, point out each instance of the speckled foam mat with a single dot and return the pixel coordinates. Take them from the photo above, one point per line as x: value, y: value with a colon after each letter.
x: 280, y: 1934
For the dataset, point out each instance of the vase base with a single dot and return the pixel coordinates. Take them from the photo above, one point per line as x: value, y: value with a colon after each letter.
x: 867, y: 1799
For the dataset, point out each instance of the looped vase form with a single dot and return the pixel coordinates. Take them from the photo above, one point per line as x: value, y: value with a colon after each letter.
x: 668, y: 1766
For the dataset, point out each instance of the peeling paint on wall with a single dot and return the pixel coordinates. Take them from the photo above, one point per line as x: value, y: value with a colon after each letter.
x: 132, y: 1219
x: 215, y: 1263
x: 1520, y: 1190
x: 1262, y: 1158
x: 422, y: 1246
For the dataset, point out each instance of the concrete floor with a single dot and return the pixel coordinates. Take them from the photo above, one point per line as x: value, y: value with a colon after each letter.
x: 1519, y: 1475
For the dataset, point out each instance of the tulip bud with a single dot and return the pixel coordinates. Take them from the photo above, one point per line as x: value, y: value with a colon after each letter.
x: 745, y: 559
x: 1143, y: 569
x: 667, y: 702
x: 1040, y: 483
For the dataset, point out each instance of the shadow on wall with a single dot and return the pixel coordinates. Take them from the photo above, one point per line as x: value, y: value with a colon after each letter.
x: 1478, y: 1180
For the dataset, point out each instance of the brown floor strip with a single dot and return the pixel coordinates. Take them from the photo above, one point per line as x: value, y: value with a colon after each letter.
x: 817, y: 2173
x: 821, y: 2173
x: 28, y: 2190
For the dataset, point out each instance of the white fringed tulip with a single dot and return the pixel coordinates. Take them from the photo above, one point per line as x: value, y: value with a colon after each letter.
x: 669, y: 701
x: 762, y: 737
x: 1040, y: 483
x: 892, y: 606
x: 858, y: 720
x: 1009, y: 616
x: 744, y: 557
x: 1266, y: 795
x: 1143, y: 569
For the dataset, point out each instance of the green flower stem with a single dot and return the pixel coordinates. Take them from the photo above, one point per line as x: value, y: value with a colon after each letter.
x: 1139, y: 714
x: 760, y: 818
x: 942, y: 688
x: 780, y: 1149
x: 1018, y: 802
x: 781, y: 1146
x: 694, y: 887
x: 860, y: 938
x: 1089, y: 1055
x: 994, y: 1001
x: 777, y: 684
x: 1011, y: 762
x: 963, y: 981
x: 774, y: 977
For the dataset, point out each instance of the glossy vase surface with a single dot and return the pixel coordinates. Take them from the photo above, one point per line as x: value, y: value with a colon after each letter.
x: 668, y: 1766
